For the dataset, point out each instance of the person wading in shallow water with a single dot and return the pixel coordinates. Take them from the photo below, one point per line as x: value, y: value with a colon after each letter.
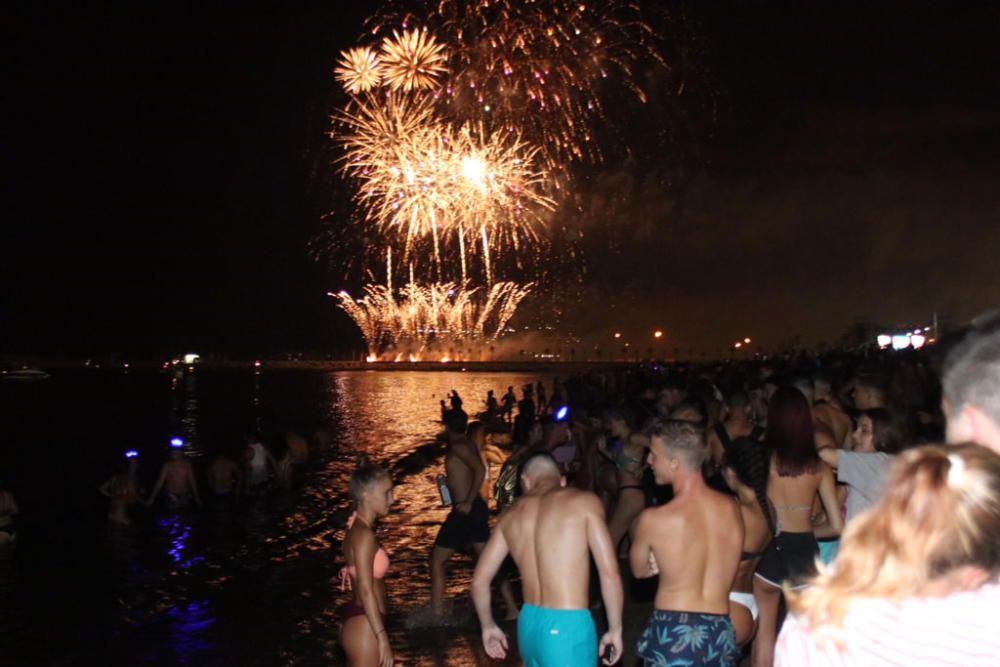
x: 551, y: 532
x: 177, y: 475
x: 468, y: 522
x: 363, y: 634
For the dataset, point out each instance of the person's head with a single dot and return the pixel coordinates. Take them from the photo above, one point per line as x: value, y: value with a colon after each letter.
x: 746, y: 465
x: 790, y: 432
x: 971, y: 386
x: 691, y: 410
x: 877, y: 431
x: 822, y: 383
x: 738, y: 405
x: 804, y: 383
x: 676, y: 448
x: 456, y: 422
x: 934, y: 530
x: 371, y: 486
x: 617, y: 422
x: 869, y: 392
x: 539, y: 472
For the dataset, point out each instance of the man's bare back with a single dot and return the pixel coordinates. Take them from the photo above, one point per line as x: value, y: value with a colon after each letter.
x: 548, y: 539
x: 695, y: 542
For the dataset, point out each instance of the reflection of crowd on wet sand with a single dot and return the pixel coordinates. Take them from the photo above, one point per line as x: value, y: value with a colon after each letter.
x: 793, y: 511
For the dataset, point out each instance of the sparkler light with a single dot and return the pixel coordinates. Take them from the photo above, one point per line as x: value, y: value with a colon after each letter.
x: 412, y: 60
x: 359, y: 70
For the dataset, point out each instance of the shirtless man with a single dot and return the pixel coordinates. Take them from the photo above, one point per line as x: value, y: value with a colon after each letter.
x: 297, y: 447
x: 550, y: 532
x: 694, y: 544
x: 828, y: 411
x: 177, y: 475
x: 468, y: 522
x: 224, y: 476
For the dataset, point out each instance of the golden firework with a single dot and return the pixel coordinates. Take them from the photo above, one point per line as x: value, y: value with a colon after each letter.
x: 412, y: 60
x: 359, y: 70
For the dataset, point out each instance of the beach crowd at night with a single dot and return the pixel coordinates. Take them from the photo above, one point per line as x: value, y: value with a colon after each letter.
x: 806, y: 509
x: 837, y: 509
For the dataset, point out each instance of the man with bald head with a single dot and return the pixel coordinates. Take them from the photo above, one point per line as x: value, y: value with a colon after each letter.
x: 693, y: 543
x: 551, y: 532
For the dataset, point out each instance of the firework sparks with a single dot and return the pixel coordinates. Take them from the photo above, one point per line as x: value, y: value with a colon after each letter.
x: 420, y: 178
x: 430, y: 316
x: 359, y: 70
x: 412, y: 60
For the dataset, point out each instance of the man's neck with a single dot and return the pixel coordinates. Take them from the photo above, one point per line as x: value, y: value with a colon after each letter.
x: 687, y: 482
x: 543, y: 486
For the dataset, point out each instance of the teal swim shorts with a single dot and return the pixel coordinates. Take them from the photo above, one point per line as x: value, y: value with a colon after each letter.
x: 556, y: 637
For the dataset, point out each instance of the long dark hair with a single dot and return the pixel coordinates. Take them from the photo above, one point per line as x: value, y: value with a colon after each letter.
x: 790, y: 433
x: 751, y: 462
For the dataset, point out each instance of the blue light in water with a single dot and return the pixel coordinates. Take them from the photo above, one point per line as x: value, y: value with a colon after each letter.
x: 561, y: 413
x: 132, y: 453
x: 177, y: 443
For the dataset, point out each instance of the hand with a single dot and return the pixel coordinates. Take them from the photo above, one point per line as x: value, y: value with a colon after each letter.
x: 654, y: 569
x: 495, y: 642
x: 384, y: 650
x: 614, y: 641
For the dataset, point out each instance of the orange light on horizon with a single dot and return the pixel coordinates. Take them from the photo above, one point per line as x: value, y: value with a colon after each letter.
x: 618, y: 334
x: 746, y: 340
x: 738, y: 345
x: 657, y: 334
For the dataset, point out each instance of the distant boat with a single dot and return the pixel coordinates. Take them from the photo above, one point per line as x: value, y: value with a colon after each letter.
x: 25, y: 374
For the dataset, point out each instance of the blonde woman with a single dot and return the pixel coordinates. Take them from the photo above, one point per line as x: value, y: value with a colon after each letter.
x: 915, y: 582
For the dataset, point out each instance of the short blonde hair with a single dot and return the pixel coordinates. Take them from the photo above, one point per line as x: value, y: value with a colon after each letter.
x: 940, y: 512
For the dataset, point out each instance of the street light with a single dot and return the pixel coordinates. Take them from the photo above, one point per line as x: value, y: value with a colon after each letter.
x: 738, y: 345
x: 618, y: 334
x: 657, y: 334
x: 746, y: 340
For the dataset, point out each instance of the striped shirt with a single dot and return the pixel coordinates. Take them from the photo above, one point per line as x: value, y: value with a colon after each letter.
x: 959, y: 629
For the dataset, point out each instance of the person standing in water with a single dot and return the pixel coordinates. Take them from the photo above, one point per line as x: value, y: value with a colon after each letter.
x: 363, y: 633
x: 122, y: 489
x: 177, y: 475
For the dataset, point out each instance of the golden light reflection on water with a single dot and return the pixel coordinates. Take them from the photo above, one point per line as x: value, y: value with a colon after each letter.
x: 394, y: 418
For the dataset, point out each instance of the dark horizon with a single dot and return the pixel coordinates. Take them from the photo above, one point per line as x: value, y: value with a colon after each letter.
x: 171, y: 166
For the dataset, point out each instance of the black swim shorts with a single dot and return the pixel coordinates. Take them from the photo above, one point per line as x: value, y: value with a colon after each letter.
x: 459, y: 529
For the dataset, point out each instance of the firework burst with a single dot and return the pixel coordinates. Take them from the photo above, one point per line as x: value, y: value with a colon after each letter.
x: 436, y: 315
x: 359, y: 70
x: 412, y: 61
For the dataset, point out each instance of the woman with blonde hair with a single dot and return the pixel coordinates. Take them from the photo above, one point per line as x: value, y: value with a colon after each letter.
x: 915, y: 582
x: 363, y: 633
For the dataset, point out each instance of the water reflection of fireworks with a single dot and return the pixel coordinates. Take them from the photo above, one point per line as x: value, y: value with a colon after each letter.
x: 436, y: 315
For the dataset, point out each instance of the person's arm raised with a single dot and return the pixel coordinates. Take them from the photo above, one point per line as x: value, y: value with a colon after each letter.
x: 496, y: 550
x: 606, y: 559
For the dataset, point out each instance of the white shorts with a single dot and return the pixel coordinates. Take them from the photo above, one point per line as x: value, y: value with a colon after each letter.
x: 747, y: 600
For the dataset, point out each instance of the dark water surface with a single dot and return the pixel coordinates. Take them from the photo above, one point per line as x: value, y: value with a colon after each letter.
x: 251, y: 584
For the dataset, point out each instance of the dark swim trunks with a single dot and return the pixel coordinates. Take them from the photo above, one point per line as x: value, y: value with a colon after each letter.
x: 459, y: 529
x: 682, y: 639
x: 790, y: 557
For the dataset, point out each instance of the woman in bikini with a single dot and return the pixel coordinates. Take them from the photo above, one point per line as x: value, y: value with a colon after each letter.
x: 795, y: 478
x: 628, y: 453
x: 745, y: 470
x: 363, y: 633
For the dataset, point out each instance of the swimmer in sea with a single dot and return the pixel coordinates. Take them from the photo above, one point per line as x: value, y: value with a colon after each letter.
x: 122, y: 489
x: 177, y: 475
x: 224, y: 476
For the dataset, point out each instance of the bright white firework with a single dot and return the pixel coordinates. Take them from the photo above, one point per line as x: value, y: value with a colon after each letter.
x: 359, y: 70
x: 412, y: 60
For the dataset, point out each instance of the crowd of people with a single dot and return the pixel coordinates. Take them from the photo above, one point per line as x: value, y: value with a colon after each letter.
x: 794, y: 511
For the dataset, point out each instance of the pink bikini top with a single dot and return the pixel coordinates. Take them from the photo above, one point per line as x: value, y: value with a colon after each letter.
x: 380, y: 565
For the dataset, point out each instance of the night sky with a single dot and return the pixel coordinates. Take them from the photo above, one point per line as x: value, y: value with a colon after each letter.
x: 167, y: 166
